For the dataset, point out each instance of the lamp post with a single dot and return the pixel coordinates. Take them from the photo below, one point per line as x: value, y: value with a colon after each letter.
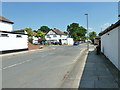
x: 87, y: 32
x: 101, y: 29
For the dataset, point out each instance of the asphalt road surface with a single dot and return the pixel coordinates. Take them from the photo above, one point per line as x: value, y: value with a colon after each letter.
x: 39, y: 69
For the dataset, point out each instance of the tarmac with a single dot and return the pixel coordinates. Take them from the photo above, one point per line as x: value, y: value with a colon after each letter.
x: 99, y: 72
x: 26, y: 51
x: 96, y: 71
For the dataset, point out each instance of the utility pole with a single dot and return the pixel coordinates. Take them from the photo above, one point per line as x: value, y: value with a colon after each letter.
x: 87, y: 32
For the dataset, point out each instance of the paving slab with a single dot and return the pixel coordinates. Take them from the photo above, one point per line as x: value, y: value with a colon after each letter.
x: 97, y: 73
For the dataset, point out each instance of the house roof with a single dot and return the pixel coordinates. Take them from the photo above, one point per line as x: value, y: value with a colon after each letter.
x: 18, y: 30
x: 110, y: 28
x: 22, y: 31
x: 5, y: 20
x: 97, y: 38
x: 58, y: 31
x: 13, y: 32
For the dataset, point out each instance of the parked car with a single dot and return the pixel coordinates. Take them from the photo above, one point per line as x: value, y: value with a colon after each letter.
x: 36, y: 43
x: 57, y: 43
x: 76, y: 43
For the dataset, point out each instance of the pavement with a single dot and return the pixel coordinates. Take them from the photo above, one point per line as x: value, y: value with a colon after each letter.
x: 99, y: 72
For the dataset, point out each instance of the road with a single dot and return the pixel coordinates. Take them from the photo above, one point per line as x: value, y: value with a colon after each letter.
x: 39, y: 69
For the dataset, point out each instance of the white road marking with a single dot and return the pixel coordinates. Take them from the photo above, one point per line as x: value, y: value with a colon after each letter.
x: 20, y: 63
x: 16, y: 64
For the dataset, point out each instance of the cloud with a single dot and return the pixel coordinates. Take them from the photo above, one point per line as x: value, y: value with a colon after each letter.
x: 105, y: 25
x: 90, y: 29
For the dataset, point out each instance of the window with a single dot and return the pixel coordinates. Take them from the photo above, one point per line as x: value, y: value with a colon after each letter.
x: 48, y: 36
x: 54, y: 36
x: 18, y: 36
x: 64, y: 39
x: 4, y: 35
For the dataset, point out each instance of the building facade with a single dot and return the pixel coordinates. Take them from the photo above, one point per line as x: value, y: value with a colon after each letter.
x: 5, y: 24
x: 10, y: 40
x: 110, y: 43
x: 55, y: 35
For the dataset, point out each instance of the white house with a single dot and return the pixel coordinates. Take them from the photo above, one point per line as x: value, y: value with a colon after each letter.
x: 10, y: 40
x: 55, y: 35
x: 110, y: 43
x: 22, y: 31
x: 5, y: 24
x: 35, y: 39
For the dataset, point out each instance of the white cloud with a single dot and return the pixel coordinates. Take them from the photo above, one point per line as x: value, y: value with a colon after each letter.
x: 105, y: 25
x: 90, y: 29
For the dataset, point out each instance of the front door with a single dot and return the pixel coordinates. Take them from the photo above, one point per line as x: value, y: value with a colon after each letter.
x: 60, y: 41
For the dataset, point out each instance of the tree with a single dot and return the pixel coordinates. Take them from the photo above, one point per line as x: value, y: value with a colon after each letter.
x: 66, y: 32
x: 39, y: 34
x: 92, y: 35
x: 29, y: 31
x: 76, y: 32
x: 44, y: 29
x: 30, y: 34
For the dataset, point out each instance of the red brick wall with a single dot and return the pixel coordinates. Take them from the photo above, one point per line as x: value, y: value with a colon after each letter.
x: 32, y: 46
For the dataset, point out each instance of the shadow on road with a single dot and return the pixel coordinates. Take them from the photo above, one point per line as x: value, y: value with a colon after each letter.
x: 12, y: 51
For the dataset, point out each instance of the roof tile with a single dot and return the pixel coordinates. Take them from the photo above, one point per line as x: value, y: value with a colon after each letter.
x: 5, y: 20
x: 58, y: 31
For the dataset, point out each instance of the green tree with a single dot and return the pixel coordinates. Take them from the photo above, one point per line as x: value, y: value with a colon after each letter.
x: 76, y: 32
x: 29, y: 31
x: 92, y: 35
x: 39, y: 34
x: 66, y: 32
x: 44, y: 29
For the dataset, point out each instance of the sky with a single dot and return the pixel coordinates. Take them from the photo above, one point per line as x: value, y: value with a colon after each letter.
x: 60, y: 14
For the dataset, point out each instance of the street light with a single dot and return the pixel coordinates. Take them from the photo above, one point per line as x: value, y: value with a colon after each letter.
x: 87, y: 32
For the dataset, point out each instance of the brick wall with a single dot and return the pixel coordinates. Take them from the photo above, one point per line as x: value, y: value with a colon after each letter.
x: 32, y: 46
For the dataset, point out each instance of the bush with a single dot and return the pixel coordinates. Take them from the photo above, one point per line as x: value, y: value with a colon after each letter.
x: 30, y: 40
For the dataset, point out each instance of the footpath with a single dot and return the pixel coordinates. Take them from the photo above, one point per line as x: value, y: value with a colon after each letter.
x: 98, y: 72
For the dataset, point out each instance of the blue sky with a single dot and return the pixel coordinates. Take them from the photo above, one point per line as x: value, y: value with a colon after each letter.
x: 60, y: 14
